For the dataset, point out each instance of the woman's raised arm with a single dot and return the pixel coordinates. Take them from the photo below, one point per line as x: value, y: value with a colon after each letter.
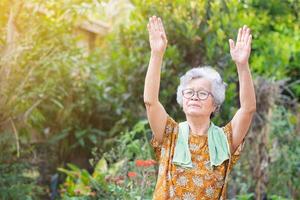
x: 240, y: 52
x: 157, y: 116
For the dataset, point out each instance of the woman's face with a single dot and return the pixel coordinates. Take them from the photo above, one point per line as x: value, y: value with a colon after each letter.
x: 201, y: 104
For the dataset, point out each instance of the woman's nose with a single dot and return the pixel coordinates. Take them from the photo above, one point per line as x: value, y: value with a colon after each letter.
x: 195, y: 98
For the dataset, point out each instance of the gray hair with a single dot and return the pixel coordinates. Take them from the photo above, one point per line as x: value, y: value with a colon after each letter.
x: 218, y: 86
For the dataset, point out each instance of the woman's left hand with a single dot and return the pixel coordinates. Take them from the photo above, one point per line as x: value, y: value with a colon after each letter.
x: 240, y: 51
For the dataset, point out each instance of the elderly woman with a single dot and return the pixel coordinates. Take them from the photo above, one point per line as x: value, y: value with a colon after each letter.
x: 196, y: 156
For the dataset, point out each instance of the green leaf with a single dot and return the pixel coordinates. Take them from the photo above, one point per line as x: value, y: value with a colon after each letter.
x: 101, y: 168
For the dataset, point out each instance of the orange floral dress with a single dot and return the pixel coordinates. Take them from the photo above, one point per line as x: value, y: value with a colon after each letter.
x: 199, y: 183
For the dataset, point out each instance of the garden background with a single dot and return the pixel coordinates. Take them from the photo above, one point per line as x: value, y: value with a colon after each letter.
x: 72, y: 118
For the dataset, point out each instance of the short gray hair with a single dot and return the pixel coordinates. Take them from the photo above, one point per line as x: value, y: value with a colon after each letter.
x: 218, y: 86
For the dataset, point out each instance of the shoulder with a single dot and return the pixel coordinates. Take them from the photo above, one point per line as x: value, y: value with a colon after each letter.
x: 228, y: 132
x: 170, y: 128
x: 227, y: 129
x: 170, y: 124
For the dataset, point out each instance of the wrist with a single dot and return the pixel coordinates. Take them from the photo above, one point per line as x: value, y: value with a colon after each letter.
x: 157, y: 54
x: 242, y: 65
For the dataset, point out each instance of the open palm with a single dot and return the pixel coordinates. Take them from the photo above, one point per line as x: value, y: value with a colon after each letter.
x: 157, y: 36
x: 240, y: 51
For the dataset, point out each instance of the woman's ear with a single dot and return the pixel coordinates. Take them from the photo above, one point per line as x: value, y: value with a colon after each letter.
x: 216, y: 108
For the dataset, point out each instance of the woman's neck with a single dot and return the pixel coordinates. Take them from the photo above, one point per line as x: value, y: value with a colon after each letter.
x: 198, y: 125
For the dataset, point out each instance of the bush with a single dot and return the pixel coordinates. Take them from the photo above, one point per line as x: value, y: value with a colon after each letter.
x: 125, y: 172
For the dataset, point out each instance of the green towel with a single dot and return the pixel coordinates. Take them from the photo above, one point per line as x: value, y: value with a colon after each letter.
x: 217, y: 145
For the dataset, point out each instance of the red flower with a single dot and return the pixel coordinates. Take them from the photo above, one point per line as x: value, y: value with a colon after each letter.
x: 139, y: 163
x: 152, y: 162
x: 145, y: 163
x: 132, y: 174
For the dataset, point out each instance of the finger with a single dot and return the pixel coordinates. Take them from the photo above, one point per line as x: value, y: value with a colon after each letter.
x: 231, y: 44
x: 163, y: 28
x: 163, y: 36
x: 249, y: 41
x: 247, y: 37
x: 243, y: 33
x: 160, y: 26
x: 239, y: 35
x: 155, y: 23
x: 247, y: 34
x: 152, y: 24
x: 149, y: 28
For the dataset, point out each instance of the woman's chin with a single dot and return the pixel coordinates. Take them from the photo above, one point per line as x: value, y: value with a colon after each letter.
x: 194, y: 113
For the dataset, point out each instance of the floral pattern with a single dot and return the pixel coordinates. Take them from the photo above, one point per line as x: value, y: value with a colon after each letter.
x: 200, y: 182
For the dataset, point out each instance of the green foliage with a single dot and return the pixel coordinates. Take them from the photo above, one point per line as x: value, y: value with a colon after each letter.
x: 109, y: 179
x: 252, y: 197
x: 283, y: 163
x: 65, y: 95
x: 78, y: 100
x: 245, y: 197
x: 285, y: 148
x: 19, y: 181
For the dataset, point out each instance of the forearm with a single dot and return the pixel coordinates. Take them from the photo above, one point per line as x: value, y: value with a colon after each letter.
x: 152, y: 80
x: 247, y: 92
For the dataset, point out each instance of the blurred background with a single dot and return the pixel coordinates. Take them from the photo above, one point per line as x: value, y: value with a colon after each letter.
x: 72, y: 118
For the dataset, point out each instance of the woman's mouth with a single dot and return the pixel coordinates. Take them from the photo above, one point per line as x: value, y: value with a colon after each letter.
x: 194, y: 105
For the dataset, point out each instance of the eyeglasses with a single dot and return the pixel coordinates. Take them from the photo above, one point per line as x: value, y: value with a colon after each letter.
x: 201, y: 94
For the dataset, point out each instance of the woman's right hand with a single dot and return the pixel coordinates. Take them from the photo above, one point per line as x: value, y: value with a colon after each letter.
x: 157, y: 36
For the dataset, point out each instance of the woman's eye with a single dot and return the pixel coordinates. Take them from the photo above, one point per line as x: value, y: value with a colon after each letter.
x: 203, y: 94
